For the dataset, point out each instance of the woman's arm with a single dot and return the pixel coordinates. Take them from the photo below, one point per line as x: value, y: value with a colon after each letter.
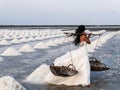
x: 89, y: 35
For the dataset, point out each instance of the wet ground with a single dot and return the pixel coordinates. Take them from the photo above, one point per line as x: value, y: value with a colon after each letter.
x: 22, y: 66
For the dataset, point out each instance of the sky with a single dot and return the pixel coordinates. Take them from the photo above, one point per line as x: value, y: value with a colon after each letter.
x: 59, y: 12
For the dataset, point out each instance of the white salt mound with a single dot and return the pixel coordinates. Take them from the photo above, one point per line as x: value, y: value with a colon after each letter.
x: 41, y: 45
x: 37, y: 38
x: 7, y: 37
x: 4, y: 42
x: 51, y: 43
x: 11, y: 52
x: 9, y: 83
x: 37, y: 76
x: 24, y: 39
x: 58, y: 41
x: 87, y: 31
x: 26, y: 48
x: 31, y: 39
x: 15, y: 41
x: 99, y: 32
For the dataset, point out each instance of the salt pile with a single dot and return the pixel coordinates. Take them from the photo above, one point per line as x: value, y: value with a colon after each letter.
x: 4, y: 42
x: 37, y: 37
x: 58, y: 41
x: 103, y: 39
x: 14, y: 36
x: 108, y: 36
x: 15, y: 41
x: 43, y: 37
x: 87, y: 31
x: 31, y: 39
x: 26, y: 48
x: 70, y: 39
x: 66, y: 40
x: 9, y: 83
x: 41, y: 45
x: 24, y: 39
x: 62, y: 40
x: 11, y: 52
x: 7, y: 37
x: 51, y: 43
x: 37, y: 76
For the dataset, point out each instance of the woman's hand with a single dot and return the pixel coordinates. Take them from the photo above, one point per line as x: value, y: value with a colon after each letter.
x: 89, y: 35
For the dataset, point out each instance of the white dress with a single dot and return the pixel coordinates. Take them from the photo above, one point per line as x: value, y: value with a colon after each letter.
x: 80, y: 61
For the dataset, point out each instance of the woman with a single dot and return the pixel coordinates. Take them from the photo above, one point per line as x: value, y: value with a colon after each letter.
x: 80, y: 36
x: 80, y: 61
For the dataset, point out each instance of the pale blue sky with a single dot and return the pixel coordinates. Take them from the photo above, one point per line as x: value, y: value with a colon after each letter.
x: 50, y: 12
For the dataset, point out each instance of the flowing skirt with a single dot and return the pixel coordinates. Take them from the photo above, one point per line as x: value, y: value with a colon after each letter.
x: 80, y: 61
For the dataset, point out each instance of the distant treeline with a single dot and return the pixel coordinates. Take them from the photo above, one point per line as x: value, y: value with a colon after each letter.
x: 42, y: 25
x: 58, y: 25
x: 63, y: 27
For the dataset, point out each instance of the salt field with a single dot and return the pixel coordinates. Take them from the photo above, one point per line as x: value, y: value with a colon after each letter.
x: 23, y: 51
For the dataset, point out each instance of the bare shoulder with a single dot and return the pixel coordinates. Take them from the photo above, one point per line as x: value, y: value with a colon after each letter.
x: 84, y: 37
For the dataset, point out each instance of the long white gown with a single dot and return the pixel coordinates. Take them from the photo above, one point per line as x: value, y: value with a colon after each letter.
x: 80, y: 61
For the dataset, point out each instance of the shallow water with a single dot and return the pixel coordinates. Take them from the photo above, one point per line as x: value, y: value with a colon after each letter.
x: 20, y: 67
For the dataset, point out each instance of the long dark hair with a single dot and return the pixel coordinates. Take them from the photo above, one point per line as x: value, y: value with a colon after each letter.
x: 80, y: 29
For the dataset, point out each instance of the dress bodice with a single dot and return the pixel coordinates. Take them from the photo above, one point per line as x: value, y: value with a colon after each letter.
x: 82, y: 43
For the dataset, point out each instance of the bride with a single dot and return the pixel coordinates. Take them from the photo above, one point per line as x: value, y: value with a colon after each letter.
x: 80, y: 61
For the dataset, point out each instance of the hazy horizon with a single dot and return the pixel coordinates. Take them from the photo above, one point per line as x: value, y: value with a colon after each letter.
x: 59, y: 12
